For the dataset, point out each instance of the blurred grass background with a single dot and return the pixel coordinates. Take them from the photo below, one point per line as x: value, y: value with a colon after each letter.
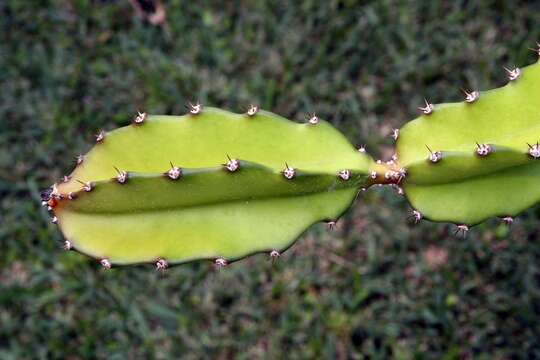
x: 376, y: 288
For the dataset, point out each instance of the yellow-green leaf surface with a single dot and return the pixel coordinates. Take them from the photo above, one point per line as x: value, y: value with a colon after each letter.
x: 208, y: 212
x: 464, y: 187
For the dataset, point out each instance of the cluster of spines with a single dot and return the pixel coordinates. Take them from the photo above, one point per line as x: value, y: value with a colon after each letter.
x: 52, y: 197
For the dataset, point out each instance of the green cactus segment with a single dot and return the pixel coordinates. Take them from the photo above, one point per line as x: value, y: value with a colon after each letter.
x: 209, y: 211
x: 204, y: 140
x: 206, y: 213
x: 464, y: 187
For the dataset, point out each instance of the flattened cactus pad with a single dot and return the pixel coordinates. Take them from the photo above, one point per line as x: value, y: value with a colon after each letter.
x: 476, y: 159
x: 207, y: 185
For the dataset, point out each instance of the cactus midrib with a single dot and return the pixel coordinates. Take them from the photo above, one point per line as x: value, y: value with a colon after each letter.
x: 109, y: 197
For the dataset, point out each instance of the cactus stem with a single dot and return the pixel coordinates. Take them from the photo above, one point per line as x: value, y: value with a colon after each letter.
x: 395, y: 134
x: 483, y: 149
x: 362, y: 148
x: 463, y: 229
x: 472, y: 96
x: 274, y: 254
x: 139, y: 118
x: 508, y: 220
x: 313, y: 119
x: 195, y: 109
x: 428, y: 109
x: 161, y: 264
x: 534, y: 150
x: 232, y: 164
x: 100, y: 136
x: 122, y: 176
x: 105, y: 263
x: 434, y: 157
x: 79, y: 159
x: 87, y: 186
x: 220, y: 262
x: 344, y: 175
x: 174, y: 173
x: 289, y: 173
x: 513, y: 74
x: 252, y: 111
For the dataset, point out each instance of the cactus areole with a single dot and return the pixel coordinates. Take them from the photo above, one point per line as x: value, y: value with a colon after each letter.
x: 220, y: 186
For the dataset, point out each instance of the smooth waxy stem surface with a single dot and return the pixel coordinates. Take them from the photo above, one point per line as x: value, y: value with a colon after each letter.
x: 240, y: 184
x: 487, y: 164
